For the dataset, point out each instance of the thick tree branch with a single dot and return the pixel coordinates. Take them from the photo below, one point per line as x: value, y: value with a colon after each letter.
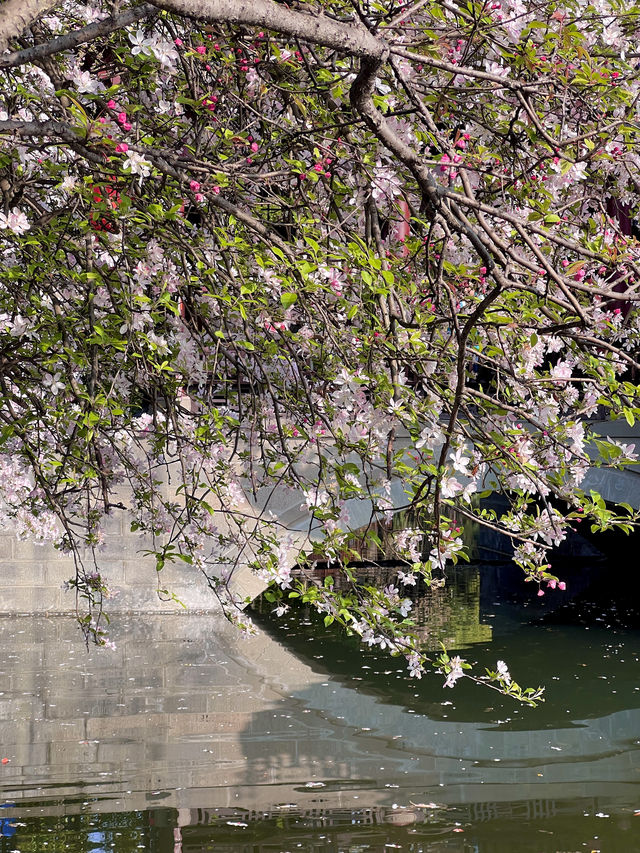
x: 313, y: 27
x: 361, y: 95
x: 27, y: 129
x: 77, y: 37
x: 17, y: 15
x: 361, y: 100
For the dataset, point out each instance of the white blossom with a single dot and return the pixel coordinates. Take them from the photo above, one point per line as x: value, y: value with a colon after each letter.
x: 137, y: 164
x: 15, y: 221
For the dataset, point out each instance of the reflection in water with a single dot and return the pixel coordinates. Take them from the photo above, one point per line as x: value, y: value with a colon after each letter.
x: 448, y: 614
x: 190, y: 738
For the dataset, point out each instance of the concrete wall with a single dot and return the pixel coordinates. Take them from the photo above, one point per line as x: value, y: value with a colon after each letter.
x: 32, y: 577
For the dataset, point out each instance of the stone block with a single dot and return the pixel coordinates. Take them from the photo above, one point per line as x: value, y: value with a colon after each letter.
x: 114, y: 525
x: 183, y: 674
x: 26, y: 550
x: 119, y: 753
x: 139, y: 598
x: 112, y: 570
x: 7, y: 542
x: 195, y: 597
x: 73, y: 753
x: 14, y: 574
x: 48, y: 731
x: 25, y: 661
x: 116, y: 547
x: 31, y: 600
x: 134, y: 726
x: 28, y: 754
x: 57, y: 572
x: 142, y: 572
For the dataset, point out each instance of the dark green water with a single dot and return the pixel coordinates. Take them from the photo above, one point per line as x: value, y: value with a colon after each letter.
x: 190, y: 738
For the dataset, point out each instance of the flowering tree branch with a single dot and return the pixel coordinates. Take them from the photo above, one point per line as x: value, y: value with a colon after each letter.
x: 367, y: 258
x: 80, y: 36
x: 312, y: 25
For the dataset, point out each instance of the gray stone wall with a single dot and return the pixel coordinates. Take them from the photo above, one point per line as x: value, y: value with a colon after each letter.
x: 32, y: 577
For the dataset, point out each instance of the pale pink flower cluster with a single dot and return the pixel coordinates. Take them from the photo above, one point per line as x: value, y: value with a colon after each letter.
x: 456, y: 671
x: 14, y: 221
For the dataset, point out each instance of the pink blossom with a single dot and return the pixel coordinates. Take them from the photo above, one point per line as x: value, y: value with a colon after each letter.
x: 14, y: 221
x: 201, y: 49
x: 455, y: 672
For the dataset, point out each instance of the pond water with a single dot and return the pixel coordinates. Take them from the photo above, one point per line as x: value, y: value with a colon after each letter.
x: 191, y: 738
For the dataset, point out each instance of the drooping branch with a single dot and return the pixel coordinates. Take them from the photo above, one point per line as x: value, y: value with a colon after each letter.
x: 64, y: 132
x: 223, y: 204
